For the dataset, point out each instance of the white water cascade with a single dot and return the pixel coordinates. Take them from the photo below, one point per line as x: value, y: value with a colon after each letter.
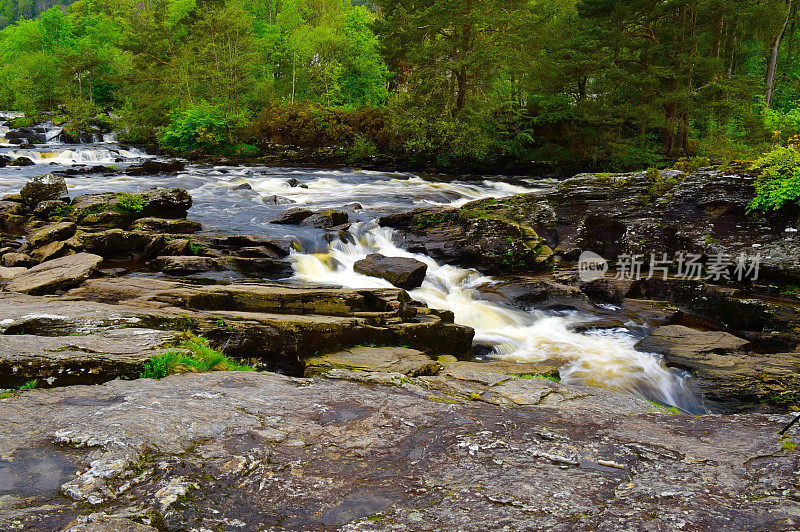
x: 604, y: 358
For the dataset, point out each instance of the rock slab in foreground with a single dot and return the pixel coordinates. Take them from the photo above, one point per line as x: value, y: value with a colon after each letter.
x: 402, y: 272
x: 264, y: 451
x: 55, y: 275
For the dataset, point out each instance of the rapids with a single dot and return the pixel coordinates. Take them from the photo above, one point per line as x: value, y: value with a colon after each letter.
x: 604, y: 358
x: 229, y: 199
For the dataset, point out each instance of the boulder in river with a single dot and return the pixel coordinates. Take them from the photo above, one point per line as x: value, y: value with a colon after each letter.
x: 293, y: 216
x: 22, y: 161
x: 402, y: 272
x: 56, y: 275
x: 43, y: 188
x: 327, y: 219
x: 155, y: 168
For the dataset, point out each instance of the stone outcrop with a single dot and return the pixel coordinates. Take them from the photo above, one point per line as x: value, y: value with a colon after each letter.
x: 369, y: 451
x: 274, y: 326
x: 402, y: 272
x: 727, y: 370
x: 482, y: 235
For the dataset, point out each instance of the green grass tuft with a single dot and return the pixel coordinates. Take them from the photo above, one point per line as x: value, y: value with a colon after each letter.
x: 191, y: 356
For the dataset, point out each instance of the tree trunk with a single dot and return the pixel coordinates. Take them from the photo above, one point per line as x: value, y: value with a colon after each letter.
x: 772, y: 66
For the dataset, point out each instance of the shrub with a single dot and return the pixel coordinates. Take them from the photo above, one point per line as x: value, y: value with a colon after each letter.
x: 779, y: 181
x: 202, y: 127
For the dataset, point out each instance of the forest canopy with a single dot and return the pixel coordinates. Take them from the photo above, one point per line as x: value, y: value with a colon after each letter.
x: 607, y: 84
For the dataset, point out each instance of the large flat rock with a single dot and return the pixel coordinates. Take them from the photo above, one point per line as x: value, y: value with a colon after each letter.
x: 55, y: 275
x: 382, y: 359
x: 263, y: 451
x: 69, y: 360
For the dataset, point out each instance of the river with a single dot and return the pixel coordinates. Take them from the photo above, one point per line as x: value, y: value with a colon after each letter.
x: 241, y: 199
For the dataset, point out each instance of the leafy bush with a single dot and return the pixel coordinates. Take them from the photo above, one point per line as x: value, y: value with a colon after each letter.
x: 202, y: 127
x: 779, y: 181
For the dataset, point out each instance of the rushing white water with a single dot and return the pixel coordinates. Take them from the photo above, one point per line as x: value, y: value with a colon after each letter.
x: 78, y: 155
x: 603, y: 358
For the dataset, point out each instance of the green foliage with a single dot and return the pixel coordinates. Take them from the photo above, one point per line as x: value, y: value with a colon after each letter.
x: 191, y: 356
x: 778, y: 183
x: 662, y: 408
x: 544, y: 376
x: 203, y: 127
x: 597, y: 84
x: 132, y: 204
x: 30, y: 385
x: 689, y: 165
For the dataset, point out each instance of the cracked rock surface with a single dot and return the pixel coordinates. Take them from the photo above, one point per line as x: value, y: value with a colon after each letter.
x: 361, y: 450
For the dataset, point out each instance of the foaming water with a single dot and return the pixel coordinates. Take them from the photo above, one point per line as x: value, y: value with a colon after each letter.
x: 605, y: 358
x: 78, y: 155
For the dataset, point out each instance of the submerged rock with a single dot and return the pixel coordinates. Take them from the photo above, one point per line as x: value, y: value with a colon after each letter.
x: 402, y: 272
x: 56, y: 274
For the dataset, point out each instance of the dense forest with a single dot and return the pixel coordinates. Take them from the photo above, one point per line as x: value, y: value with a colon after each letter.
x: 13, y: 10
x: 608, y: 84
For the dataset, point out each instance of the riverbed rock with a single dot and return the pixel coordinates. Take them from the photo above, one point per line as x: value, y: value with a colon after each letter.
x: 155, y: 168
x: 51, y: 233
x: 402, y: 272
x: 409, y: 362
x: 327, y: 219
x: 57, y: 274
x: 118, y: 243
x: 280, y: 324
x: 479, y: 235
x: 158, y: 202
x: 188, y: 264
x: 540, y: 293
x: 22, y: 161
x: 50, y: 251
x: 727, y: 370
x: 16, y: 260
x: 293, y: 216
x: 44, y: 188
x: 167, y: 226
x: 367, y: 451
x: 80, y: 358
x: 6, y: 273
x: 46, y: 209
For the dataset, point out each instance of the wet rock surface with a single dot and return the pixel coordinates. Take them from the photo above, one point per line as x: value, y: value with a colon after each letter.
x: 402, y: 272
x: 377, y: 451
